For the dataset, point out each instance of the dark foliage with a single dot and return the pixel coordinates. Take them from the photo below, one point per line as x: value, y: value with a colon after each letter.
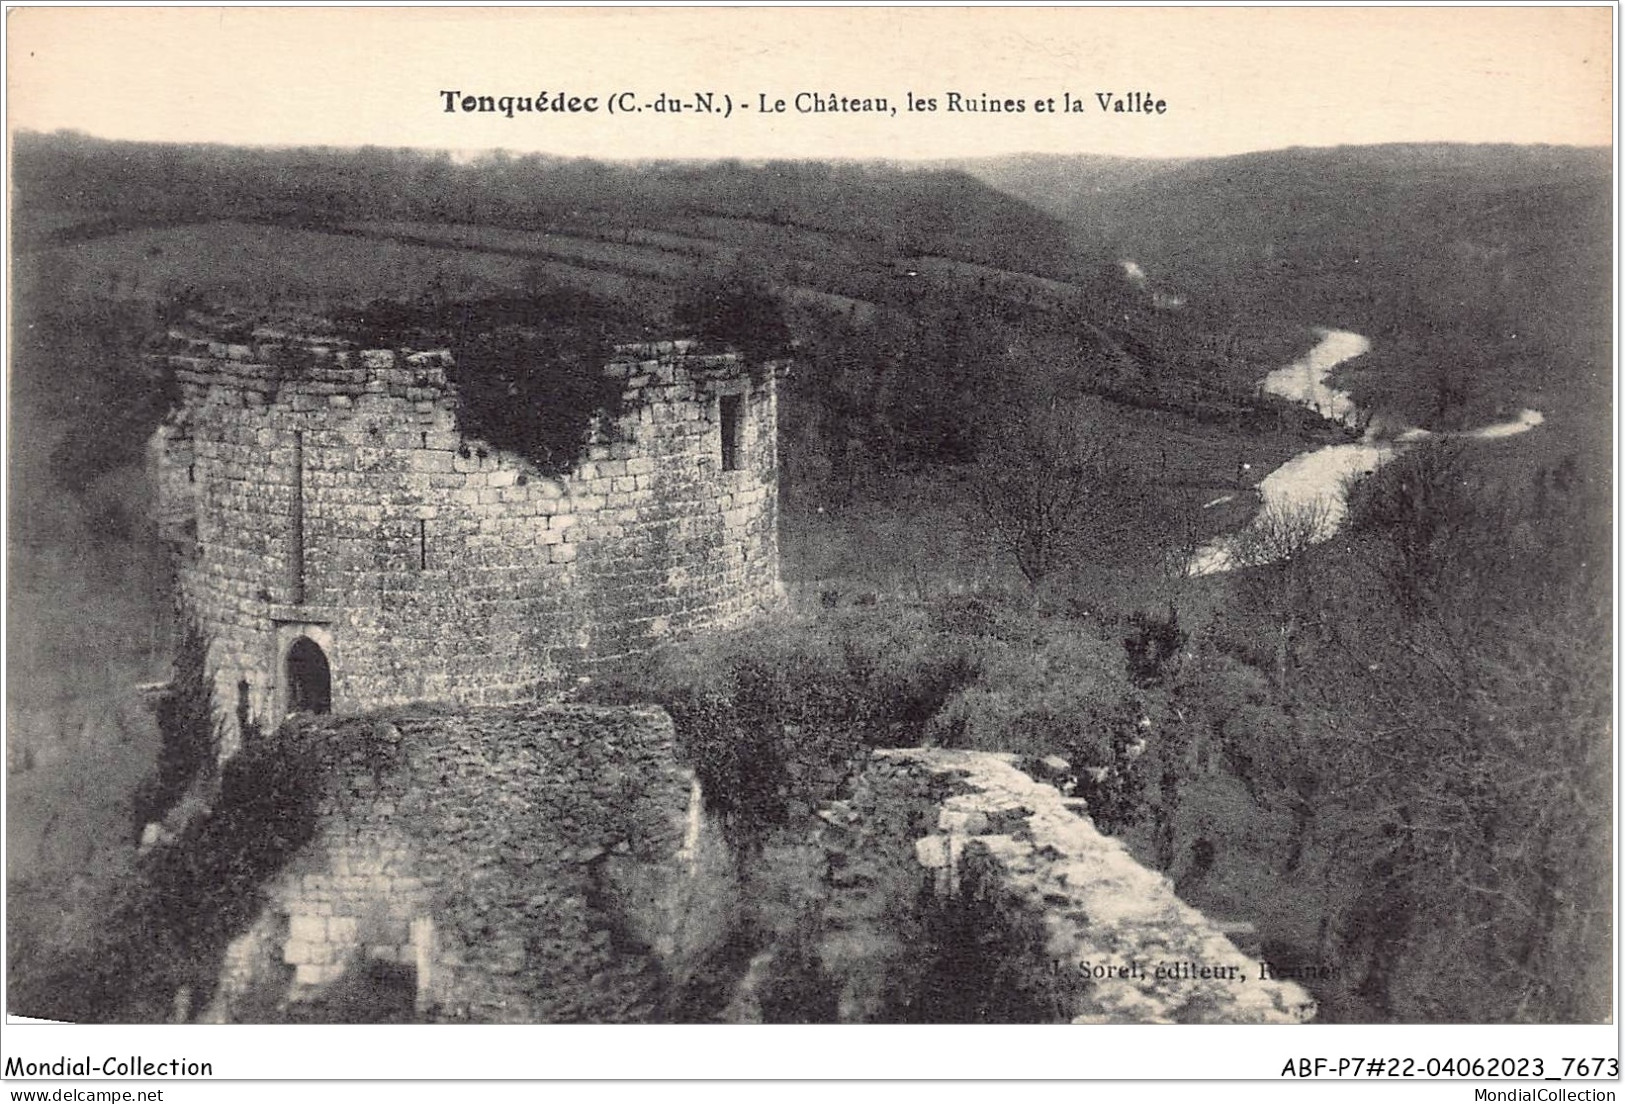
x: 167, y: 927
x: 370, y: 992
x: 1118, y: 794
x: 1451, y: 681
x: 773, y: 723
x: 186, y: 727
x: 798, y: 989
x: 1153, y: 646
x: 981, y: 958
x: 86, y: 367
x: 1419, y: 508
x: 207, y: 883
x: 790, y: 725
x: 529, y: 370
x: 737, y: 311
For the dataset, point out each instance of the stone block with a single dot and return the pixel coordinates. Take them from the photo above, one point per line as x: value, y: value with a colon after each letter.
x: 932, y: 852
x: 963, y: 822
x: 307, y: 928
x: 429, y: 460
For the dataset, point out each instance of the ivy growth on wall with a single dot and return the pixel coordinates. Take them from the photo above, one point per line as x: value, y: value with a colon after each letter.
x: 529, y: 369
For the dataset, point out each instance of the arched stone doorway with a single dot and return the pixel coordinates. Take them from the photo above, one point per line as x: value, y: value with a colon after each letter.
x: 309, y: 679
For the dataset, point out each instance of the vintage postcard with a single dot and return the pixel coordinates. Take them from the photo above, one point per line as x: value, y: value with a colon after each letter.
x: 963, y: 519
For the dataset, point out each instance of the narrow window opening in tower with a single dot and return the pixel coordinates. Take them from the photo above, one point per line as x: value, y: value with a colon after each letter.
x: 242, y: 705
x: 191, y: 473
x: 310, y: 680
x: 733, y: 431
x: 423, y: 545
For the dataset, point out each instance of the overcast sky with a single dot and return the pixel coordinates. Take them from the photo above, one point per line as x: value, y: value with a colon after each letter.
x: 1232, y: 79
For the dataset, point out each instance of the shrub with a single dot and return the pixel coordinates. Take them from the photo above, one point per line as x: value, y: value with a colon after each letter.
x: 772, y: 718
x: 1116, y: 791
x: 189, y: 735
x: 1044, y: 688
x: 1153, y: 647
x: 1421, y: 506
x: 982, y: 957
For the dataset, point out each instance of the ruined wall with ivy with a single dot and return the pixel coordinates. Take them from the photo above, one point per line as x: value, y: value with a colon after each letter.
x: 511, y: 864
x: 317, y: 491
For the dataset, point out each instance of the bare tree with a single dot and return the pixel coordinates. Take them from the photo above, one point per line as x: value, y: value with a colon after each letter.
x: 1282, y: 532
x: 1051, y: 486
x: 1276, y: 540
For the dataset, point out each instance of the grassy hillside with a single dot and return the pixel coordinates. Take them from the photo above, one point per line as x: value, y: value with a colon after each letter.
x: 107, y: 186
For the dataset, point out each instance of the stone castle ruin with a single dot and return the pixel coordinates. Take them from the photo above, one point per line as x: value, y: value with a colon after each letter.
x: 342, y: 545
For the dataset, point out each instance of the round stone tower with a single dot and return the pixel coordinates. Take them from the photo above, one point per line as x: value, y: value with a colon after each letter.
x: 342, y: 545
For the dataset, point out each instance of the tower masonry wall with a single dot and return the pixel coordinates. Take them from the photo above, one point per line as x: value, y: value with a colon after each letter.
x: 332, y: 496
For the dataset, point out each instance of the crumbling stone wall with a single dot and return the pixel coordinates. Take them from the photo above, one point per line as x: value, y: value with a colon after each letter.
x: 516, y: 864
x: 1033, y: 913
x: 321, y: 492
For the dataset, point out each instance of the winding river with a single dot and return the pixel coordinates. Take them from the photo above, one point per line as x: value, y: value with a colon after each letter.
x: 1312, y: 485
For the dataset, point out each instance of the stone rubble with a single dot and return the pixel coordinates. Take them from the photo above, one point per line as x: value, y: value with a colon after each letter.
x: 1134, y: 952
